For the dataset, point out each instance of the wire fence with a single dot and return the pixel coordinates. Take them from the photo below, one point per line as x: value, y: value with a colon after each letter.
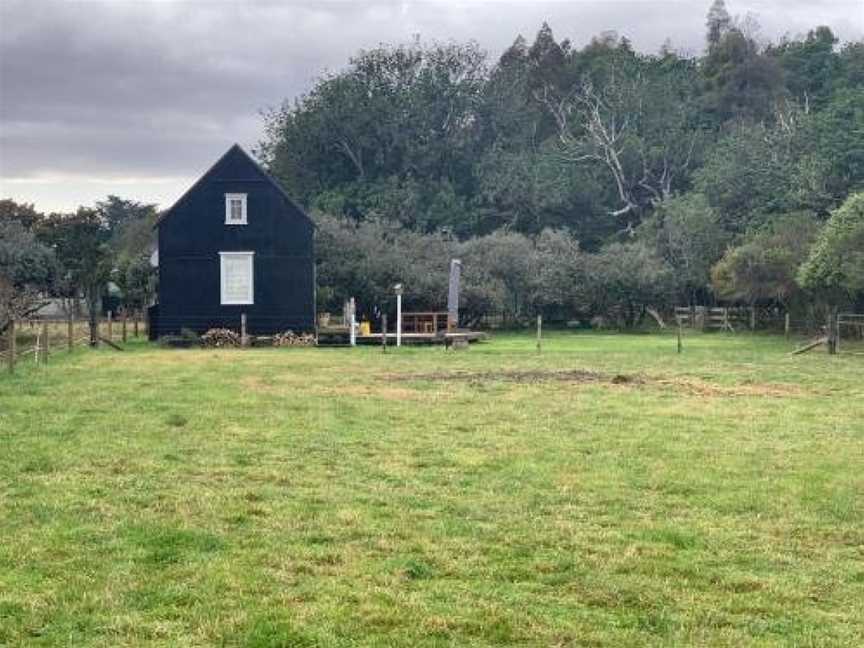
x: 850, y: 332
x: 34, y: 340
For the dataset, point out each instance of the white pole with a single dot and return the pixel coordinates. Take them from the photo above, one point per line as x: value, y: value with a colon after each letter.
x: 352, y: 322
x: 399, y: 319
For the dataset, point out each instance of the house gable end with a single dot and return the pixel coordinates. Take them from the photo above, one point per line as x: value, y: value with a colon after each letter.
x: 235, y: 165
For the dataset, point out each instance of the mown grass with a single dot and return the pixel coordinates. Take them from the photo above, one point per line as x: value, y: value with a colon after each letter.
x: 605, y: 492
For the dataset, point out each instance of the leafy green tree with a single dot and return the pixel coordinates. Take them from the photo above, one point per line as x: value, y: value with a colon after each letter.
x: 740, y: 83
x: 801, y: 162
x: 403, y: 117
x: 828, y: 152
x: 626, y: 280
x: 136, y: 279
x: 528, y: 190
x: 81, y: 242
x: 717, y: 23
x: 764, y: 267
x: 811, y: 67
x: 560, y: 286
x: 834, y: 269
x: 689, y: 235
x: 506, y: 260
x: 23, y: 213
x: 27, y: 269
x: 365, y: 260
x: 852, y: 65
x: 132, y: 239
x: 748, y: 175
x: 119, y: 214
x: 510, y: 119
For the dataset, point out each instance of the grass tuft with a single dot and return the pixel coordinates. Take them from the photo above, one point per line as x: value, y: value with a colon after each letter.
x: 176, y: 420
x: 270, y: 631
x: 166, y: 546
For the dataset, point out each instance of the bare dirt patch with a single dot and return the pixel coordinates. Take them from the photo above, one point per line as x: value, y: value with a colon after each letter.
x: 532, y: 376
x: 699, y: 387
x: 376, y: 390
x: 693, y: 386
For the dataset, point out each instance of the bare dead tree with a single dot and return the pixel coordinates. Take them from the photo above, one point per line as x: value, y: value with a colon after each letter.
x: 589, y: 130
x: 608, y: 127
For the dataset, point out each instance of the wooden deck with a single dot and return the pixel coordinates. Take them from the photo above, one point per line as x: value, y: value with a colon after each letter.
x: 339, y: 335
x: 423, y: 338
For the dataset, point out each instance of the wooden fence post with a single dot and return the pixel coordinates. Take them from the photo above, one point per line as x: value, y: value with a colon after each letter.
x: 384, y: 333
x: 837, y: 320
x: 244, y: 341
x: 786, y: 326
x: 539, y: 331
x: 110, y: 327
x: 752, y: 318
x: 135, y: 324
x: 832, y: 333
x: 45, y: 343
x: 679, y: 336
x: 123, y: 326
x: 70, y: 333
x: 11, y: 347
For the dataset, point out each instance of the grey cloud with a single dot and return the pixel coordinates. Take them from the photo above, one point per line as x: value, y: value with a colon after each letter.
x: 161, y: 88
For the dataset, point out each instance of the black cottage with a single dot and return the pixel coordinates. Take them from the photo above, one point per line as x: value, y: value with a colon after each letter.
x: 235, y: 243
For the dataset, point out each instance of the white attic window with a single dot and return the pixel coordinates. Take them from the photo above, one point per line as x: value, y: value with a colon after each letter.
x: 235, y: 209
x: 237, y: 275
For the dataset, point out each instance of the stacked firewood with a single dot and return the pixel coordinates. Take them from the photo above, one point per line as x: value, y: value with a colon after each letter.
x: 220, y: 337
x: 290, y: 338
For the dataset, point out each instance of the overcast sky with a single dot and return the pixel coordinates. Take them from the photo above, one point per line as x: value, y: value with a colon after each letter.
x: 139, y: 97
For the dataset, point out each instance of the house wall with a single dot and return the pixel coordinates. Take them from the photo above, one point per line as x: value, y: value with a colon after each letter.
x: 194, y: 232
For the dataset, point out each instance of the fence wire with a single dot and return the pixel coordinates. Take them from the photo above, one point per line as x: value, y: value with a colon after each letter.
x: 31, y: 341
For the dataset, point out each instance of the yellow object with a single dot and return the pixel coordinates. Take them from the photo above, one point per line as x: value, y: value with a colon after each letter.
x: 365, y: 328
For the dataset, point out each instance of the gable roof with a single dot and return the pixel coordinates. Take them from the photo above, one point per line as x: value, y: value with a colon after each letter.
x: 235, y: 148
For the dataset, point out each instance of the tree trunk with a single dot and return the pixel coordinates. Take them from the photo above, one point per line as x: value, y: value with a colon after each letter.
x: 93, y: 314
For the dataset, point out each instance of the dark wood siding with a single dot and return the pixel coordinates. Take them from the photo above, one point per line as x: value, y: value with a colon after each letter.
x: 193, y: 233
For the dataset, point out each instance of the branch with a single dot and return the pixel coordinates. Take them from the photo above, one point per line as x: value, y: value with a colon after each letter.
x: 355, y: 158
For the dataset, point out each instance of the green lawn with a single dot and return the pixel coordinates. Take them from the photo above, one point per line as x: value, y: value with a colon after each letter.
x: 607, y: 492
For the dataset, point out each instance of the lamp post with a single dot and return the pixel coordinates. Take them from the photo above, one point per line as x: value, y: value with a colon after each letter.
x: 398, y: 289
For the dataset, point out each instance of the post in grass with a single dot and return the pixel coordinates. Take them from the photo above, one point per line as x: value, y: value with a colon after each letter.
x: 679, y: 335
x: 539, y: 332
x: 833, y: 330
x: 384, y: 333
x: 45, y: 343
x: 10, y: 348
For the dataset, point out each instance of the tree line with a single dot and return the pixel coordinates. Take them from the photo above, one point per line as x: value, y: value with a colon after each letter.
x: 82, y: 258
x: 585, y: 181
x: 577, y: 182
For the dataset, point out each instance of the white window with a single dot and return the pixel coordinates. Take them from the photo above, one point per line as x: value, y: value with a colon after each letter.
x: 238, y: 277
x: 235, y: 209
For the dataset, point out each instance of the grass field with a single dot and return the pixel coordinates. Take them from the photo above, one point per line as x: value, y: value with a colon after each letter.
x: 606, y: 492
